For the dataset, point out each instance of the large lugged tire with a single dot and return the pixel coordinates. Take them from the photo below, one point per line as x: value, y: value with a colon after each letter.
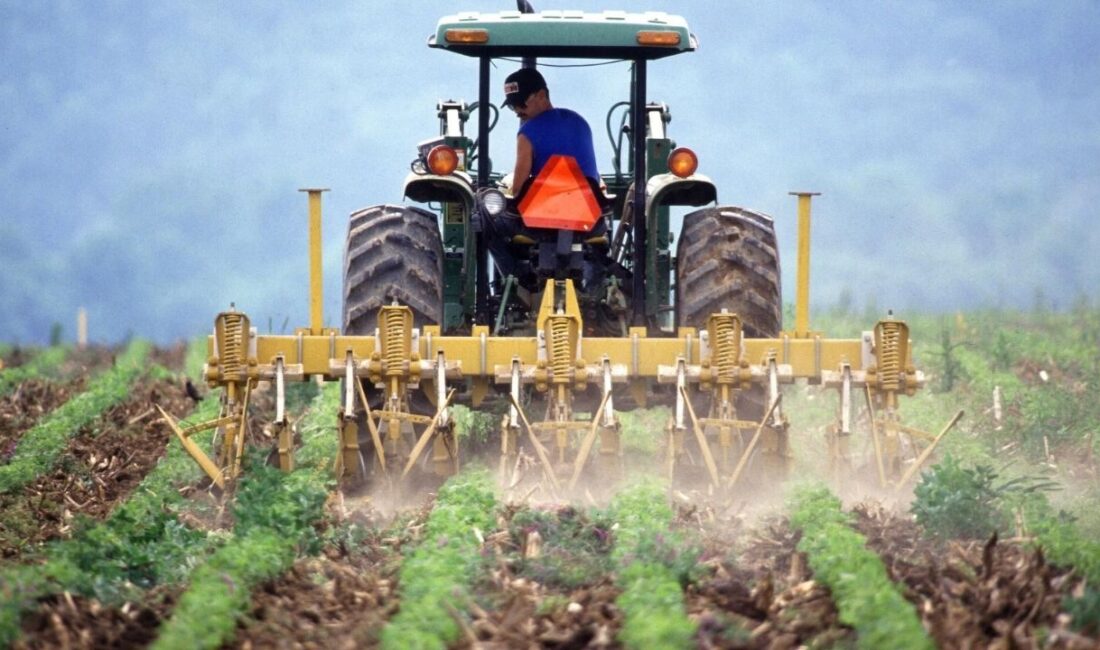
x: 393, y: 252
x: 727, y: 258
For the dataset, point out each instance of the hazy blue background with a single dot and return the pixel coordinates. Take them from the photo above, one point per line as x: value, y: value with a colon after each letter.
x: 150, y: 152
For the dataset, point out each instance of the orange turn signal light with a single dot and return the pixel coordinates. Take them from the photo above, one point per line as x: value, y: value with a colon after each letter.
x: 442, y: 160
x: 466, y: 35
x: 683, y: 162
x: 658, y: 38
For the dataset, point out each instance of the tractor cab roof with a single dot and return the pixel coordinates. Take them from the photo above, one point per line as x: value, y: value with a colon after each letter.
x: 564, y: 34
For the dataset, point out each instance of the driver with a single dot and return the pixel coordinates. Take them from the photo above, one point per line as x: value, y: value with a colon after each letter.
x: 545, y: 130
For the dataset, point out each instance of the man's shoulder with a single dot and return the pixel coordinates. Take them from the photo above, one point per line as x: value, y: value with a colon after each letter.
x: 570, y: 114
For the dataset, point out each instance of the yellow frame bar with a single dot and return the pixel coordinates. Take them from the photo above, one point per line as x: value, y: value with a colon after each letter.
x: 479, y: 356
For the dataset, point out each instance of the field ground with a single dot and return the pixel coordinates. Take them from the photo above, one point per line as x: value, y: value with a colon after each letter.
x: 109, y: 537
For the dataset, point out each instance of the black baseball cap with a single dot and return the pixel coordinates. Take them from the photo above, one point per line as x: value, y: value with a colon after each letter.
x: 520, y: 84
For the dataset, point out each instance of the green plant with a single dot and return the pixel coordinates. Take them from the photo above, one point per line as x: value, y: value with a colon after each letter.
x: 643, y: 429
x: 44, y: 363
x: 575, y: 547
x: 140, y: 544
x: 1085, y: 611
x: 474, y: 427
x: 865, y: 597
x: 969, y: 502
x: 276, y: 517
x: 650, y: 574
x: 40, y: 446
x: 438, y: 572
x: 951, y: 370
x: 319, y: 440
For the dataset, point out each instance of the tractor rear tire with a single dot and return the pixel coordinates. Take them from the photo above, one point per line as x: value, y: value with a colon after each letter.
x: 393, y: 252
x: 727, y: 258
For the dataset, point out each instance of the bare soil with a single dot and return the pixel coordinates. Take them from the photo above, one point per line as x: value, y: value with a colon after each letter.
x: 74, y: 622
x: 973, y: 594
x: 100, y: 467
x: 759, y: 592
x: 21, y: 409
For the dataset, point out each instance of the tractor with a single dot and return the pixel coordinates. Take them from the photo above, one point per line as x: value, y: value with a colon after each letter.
x: 573, y: 305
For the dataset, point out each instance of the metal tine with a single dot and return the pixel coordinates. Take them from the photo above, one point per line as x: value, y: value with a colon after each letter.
x: 752, y: 444
x: 427, y: 435
x: 547, y: 468
x: 874, y: 437
x: 589, y: 440
x: 701, y: 438
x: 376, y: 438
x: 926, y: 453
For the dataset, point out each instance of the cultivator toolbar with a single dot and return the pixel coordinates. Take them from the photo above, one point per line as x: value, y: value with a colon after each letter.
x: 724, y: 389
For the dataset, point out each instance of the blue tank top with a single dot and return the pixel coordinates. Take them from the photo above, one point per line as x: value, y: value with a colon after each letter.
x: 561, y: 131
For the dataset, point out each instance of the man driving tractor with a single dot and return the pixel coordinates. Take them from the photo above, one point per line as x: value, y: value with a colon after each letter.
x: 544, y: 130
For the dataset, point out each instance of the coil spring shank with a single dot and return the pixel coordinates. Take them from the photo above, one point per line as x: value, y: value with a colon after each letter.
x: 395, y: 328
x: 232, y: 335
x: 892, y: 337
x: 559, y: 348
x: 725, y: 343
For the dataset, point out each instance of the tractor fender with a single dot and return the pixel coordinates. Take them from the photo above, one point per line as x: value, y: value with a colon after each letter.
x: 668, y: 189
x: 453, y: 188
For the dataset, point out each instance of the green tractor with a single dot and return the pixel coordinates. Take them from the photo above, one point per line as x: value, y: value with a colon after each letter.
x: 571, y: 305
x: 437, y: 259
x: 454, y: 269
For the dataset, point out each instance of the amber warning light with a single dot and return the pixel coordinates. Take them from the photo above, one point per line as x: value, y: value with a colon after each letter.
x: 442, y: 160
x: 683, y: 162
x: 466, y: 36
x: 658, y: 38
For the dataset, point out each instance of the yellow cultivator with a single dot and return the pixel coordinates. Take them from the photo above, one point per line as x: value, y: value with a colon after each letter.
x: 575, y: 382
x: 569, y: 304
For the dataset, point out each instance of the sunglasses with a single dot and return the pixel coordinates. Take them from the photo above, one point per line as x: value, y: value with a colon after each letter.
x: 519, y: 106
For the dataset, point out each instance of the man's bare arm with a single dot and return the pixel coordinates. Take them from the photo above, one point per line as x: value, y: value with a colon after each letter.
x: 525, y: 155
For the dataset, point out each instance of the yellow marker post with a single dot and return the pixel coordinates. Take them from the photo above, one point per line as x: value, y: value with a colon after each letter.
x: 802, y: 288
x: 316, y: 277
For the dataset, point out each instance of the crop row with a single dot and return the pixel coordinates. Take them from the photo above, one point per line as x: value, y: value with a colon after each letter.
x: 43, y: 363
x: 144, y: 543
x: 646, y: 555
x: 275, y: 515
x: 140, y: 543
x: 39, y: 447
x: 865, y: 596
x: 439, y: 571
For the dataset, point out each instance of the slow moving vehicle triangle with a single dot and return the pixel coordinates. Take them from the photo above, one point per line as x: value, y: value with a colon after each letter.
x: 560, y: 197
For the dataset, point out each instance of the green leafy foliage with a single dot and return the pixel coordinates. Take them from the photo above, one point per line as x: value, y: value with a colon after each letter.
x: 319, y: 442
x: 643, y: 429
x: 652, y: 563
x: 276, y: 515
x: 575, y: 547
x: 474, y: 427
x: 1085, y: 611
x: 42, y: 364
x: 866, y: 598
x: 1064, y: 545
x: 1062, y: 541
x: 40, y: 446
x: 20, y: 587
x: 220, y: 590
x: 437, y: 574
x: 953, y: 501
x: 140, y: 544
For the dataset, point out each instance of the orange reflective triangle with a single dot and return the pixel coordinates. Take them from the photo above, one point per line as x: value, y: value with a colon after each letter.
x: 560, y: 197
